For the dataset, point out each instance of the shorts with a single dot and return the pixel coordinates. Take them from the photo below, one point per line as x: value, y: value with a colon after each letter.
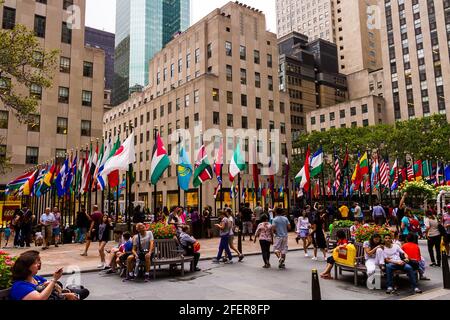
x: 57, y: 231
x: 303, y: 233
x: 281, y: 245
x: 123, y: 258
x: 47, y: 232
x: 247, y: 227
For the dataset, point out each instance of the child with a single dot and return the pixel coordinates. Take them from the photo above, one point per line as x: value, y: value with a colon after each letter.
x: 38, y: 239
x: 7, y: 232
x: 353, y: 229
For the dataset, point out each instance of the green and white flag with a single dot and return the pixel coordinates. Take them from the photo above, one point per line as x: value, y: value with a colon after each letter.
x: 160, y: 161
x: 317, y: 163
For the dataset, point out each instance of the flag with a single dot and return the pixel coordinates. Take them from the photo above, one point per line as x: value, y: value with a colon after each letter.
x: 184, y: 170
x: 418, y: 170
x: 122, y: 158
x: 160, y: 160
x: 329, y: 188
x: 216, y: 190
x: 317, y: 163
x: 375, y: 172
x: 237, y: 164
x: 364, y: 165
x: 244, y: 193
x: 255, y: 166
x: 18, y: 182
x: 232, y: 191
x: 345, y: 193
x: 357, y: 176
x: 203, y: 171
x: 121, y: 187
x: 410, y: 173
x: 440, y: 174
x: 101, y: 180
x: 218, y: 164
x: 61, y: 178
x: 264, y: 191
x: 49, y: 176
x: 447, y: 174
x: 394, y: 176
x: 71, y: 174
x: 337, y: 171
x: 38, y: 182
x: 384, y: 173
x: 367, y: 186
x: 100, y: 157
x: 93, y: 164
x: 85, y: 173
x: 286, y: 173
x: 303, y: 177
x: 27, y: 188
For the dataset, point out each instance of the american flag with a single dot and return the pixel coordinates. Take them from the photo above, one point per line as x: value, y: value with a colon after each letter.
x: 410, y: 173
x: 337, y: 169
x: 384, y: 173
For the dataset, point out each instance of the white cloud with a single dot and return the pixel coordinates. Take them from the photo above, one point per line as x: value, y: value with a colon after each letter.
x: 100, y: 14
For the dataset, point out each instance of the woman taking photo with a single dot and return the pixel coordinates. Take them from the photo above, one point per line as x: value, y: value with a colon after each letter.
x: 373, y: 252
x: 26, y: 281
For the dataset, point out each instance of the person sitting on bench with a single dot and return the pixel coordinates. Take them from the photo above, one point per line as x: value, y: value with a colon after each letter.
x: 188, y: 242
x: 415, y: 257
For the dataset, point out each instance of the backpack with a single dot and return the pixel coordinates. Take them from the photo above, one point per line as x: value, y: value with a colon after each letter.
x: 414, y: 225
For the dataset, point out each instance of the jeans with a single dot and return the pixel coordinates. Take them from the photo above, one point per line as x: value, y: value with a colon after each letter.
x: 265, y: 249
x: 224, y: 246
x: 390, y: 267
x: 435, y: 242
x: 81, y: 234
x: 16, y: 236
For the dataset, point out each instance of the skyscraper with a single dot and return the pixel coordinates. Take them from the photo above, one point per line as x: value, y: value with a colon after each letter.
x: 143, y: 27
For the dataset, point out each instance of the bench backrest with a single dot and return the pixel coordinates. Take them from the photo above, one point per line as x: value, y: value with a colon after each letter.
x: 167, y: 249
x: 333, y: 235
x: 360, y: 252
x: 4, y: 294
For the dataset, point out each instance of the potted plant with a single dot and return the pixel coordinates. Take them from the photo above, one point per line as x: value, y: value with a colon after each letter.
x: 364, y: 233
x: 6, y: 262
x: 342, y: 224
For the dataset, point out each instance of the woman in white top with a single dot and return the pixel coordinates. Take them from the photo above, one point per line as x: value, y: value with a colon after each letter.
x: 433, y: 238
x: 302, y: 229
x: 373, y: 253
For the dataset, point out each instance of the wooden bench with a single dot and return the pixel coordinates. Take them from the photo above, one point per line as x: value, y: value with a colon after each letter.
x: 168, y: 252
x: 360, y: 266
x: 4, y: 294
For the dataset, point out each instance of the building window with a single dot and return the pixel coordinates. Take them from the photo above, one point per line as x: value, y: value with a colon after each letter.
x: 67, y: 4
x: 186, y: 122
x: 228, y: 49
x: 180, y: 65
x: 63, y: 95
x: 39, y: 26
x: 243, y: 76
x: 364, y: 108
x: 9, y: 18
x: 257, y: 80
x: 332, y: 116
x: 4, y: 115
x: 243, y: 52
x: 64, y: 65
x: 161, y: 111
x: 365, y: 123
x: 229, y: 120
x: 282, y: 107
x: 229, y: 73
x: 61, y: 126
x: 36, y: 91
x: 283, y: 128
x: 209, y: 50
x: 88, y: 69
x: 354, y: 124
x: 256, y: 59
x: 86, y: 128
x: 271, y: 105
x: 244, y: 123
x: 197, y: 55
x: 313, y: 120
x: 243, y: 100
x: 66, y: 34
x: 32, y: 155
x: 258, y: 103
x: 86, y: 98
x: 216, y: 118
x: 322, y: 118
x: 3, y: 152
x: 215, y: 94
x: 186, y: 101
x: 258, y: 124
x: 271, y: 126
x: 352, y: 111
x: 230, y: 97
x: 270, y: 79
x: 269, y: 61
x: 342, y: 114
x: 35, y: 123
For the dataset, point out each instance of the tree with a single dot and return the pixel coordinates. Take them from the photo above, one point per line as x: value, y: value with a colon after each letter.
x: 23, y: 64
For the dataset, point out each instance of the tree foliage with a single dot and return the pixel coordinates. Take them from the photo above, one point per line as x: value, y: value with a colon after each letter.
x: 425, y: 138
x: 23, y: 62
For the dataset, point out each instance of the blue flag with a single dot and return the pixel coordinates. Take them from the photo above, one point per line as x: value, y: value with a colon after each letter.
x: 70, y: 176
x: 62, y: 178
x: 185, y: 170
x: 447, y: 174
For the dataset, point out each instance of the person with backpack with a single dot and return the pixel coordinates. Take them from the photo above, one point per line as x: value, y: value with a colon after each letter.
x: 410, y: 224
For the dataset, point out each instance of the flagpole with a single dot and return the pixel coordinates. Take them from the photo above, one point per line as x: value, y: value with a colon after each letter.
x: 130, y: 182
x: 221, y: 187
x: 369, y: 158
x: 69, y: 188
x: 200, y: 203
x: 155, y: 134
x: 322, y: 176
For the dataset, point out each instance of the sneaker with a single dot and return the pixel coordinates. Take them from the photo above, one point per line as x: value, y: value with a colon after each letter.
x: 147, y: 278
x: 215, y: 261
x: 241, y: 257
x: 433, y: 264
x: 390, y: 290
x: 109, y: 271
x: 84, y: 254
x: 268, y: 266
x: 417, y: 290
x: 280, y: 263
x: 56, y: 246
x: 101, y: 266
x: 128, y: 278
x: 229, y: 262
x: 306, y: 255
x: 314, y: 258
x: 424, y: 278
x: 197, y: 269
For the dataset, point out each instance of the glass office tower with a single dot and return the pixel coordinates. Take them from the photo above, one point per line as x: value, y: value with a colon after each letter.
x: 143, y: 27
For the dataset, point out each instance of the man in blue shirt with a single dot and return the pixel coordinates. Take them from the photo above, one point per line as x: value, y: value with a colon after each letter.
x: 378, y: 214
x: 280, y: 227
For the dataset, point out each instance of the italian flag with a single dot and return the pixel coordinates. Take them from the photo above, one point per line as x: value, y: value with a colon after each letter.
x: 160, y: 161
x: 317, y: 163
x: 203, y: 171
x: 237, y: 164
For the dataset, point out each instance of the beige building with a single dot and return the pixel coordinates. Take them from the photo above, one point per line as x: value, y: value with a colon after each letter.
x: 415, y: 42
x: 71, y: 111
x: 347, y: 23
x: 364, y: 83
x: 361, y: 112
x: 222, y: 73
x: 314, y: 18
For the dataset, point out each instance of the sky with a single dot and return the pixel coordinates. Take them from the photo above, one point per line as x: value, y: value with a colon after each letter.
x: 100, y: 14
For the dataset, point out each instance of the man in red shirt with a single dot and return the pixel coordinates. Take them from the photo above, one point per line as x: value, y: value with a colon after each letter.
x: 95, y: 220
x: 415, y: 258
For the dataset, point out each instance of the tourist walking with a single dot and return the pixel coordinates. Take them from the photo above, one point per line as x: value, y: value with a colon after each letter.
x: 104, y: 231
x: 258, y: 211
x: 433, y: 237
x: 280, y: 228
x: 303, y: 227
x: 16, y: 224
x: 47, y: 220
x: 92, y: 234
x: 233, y: 228
x: 56, y: 227
x: 265, y: 234
x: 26, y: 228
x: 318, y: 235
x: 247, y: 223
x: 224, y: 228
x: 378, y: 214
